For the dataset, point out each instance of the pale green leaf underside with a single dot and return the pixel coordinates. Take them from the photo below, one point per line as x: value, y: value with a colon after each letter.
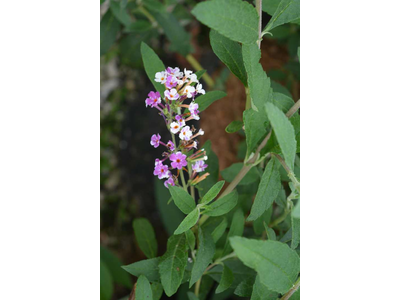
x: 276, y: 264
x: 235, y: 19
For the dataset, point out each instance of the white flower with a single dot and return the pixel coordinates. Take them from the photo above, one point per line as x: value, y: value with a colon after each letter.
x: 189, y: 91
x: 187, y: 73
x: 174, y: 72
x: 201, y: 132
x: 174, y: 127
x: 205, y: 157
x: 195, y: 144
x: 199, y: 89
x: 185, y: 134
x: 193, y: 78
x: 171, y: 94
x: 161, y: 77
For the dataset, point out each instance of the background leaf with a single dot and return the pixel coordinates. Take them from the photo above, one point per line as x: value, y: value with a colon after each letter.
x: 152, y: 64
x: 114, y: 267
x: 204, y: 256
x: 230, y: 53
x: 234, y: 126
x: 226, y: 280
x: 284, y: 132
x: 143, y: 289
x: 145, y: 237
x: 268, y: 190
x: 276, y: 264
x: 235, y: 19
x: 106, y: 283
x: 173, y: 263
x: 182, y: 199
x: 109, y: 28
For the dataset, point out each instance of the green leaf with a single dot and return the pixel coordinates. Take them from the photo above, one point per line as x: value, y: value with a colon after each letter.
x: 152, y: 64
x: 189, y: 221
x: 157, y: 290
x: 200, y: 74
x: 120, y: 13
x: 295, y: 120
x: 255, y: 125
x: 283, y: 102
x: 245, y: 288
x: 145, y: 237
x: 213, y: 192
x: 213, y: 169
x: 230, y: 53
x: 203, y: 256
x: 284, y: 132
x: 154, y: 5
x: 268, y: 190
x: 239, y: 270
x: 261, y: 292
x: 276, y: 264
x: 143, y: 289
x: 173, y: 263
x: 230, y: 173
x: 258, y: 224
x: 270, y: 6
x: 138, y: 26
x: 226, y: 280
x: 182, y: 199
x: 235, y: 19
x: 278, y: 88
x: 258, y: 82
x: 192, y: 296
x: 222, y: 205
x: 179, y: 38
x: 147, y: 267
x: 236, y: 229
x: 287, y: 11
x: 295, y: 233
x: 106, y: 283
x: 190, y: 239
x: 208, y: 98
x: 109, y: 28
x: 114, y: 266
x: 234, y: 126
x: 216, y: 226
x: 271, y: 235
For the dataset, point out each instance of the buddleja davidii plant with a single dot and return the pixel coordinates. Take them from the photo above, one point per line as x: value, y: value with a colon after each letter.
x: 201, y: 250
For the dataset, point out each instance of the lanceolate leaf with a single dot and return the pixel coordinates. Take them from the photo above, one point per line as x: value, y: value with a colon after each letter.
x: 208, y: 98
x: 284, y: 133
x: 222, y: 205
x: 152, y: 65
x: 180, y: 39
x: 120, y: 13
x: 226, y: 280
x: 234, y: 126
x: 188, y: 222
x: 157, y: 290
x: 106, y: 283
x: 270, y: 6
x: 261, y: 292
x: 173, y: 263
x: 276, y: 264
x: 109, y: 27
x: 230, y: 53
x: 255, y: 125
x: 230, y: 173
x: 235, y: 19
x: 114, y: 266
x: 143, y: 289
x: 283, y: 102
x: 268, y: 190
x: 212, y: 193
x: 236, y: 229
x: 182, y: 199
x: 147, y: 267
x: 203, y: 256
x: 287, y: 11
x: 145, y: 237
x: 258, y: 82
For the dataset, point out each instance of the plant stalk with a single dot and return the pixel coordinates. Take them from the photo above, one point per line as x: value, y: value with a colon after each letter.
x: 259, y: 11
x: 196, y: 65
x: 292, y: 290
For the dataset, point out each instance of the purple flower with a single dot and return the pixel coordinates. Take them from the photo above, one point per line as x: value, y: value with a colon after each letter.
x: 170, y: 181
x: 161, y: 171
x: 155, y: 140
x: 180, y: 120
x: 199, y: 166
x: 178, y: 160
x: 174, y: 71
x: 171, y: 82
x: 171, y: 94
x: 154, y: 99
x: 171, y: 145
x: 194, y: 110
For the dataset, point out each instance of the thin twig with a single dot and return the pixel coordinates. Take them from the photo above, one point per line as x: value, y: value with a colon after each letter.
x: 292, y: 290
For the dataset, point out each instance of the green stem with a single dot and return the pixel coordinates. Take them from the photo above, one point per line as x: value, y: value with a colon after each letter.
x: 259, y: 11
x: 289, y: 171
x: 196, y: 65
x: 191, y: 186
x: 248, y: 98
x: 197, y: 287
x: 292, y: 290
x: 218, y: 261
x: 147, y: 14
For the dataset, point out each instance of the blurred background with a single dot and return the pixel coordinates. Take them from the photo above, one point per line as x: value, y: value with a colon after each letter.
x: 128, y: 188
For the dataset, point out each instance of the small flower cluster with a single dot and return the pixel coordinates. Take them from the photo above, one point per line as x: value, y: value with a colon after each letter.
x: 179, y: 86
